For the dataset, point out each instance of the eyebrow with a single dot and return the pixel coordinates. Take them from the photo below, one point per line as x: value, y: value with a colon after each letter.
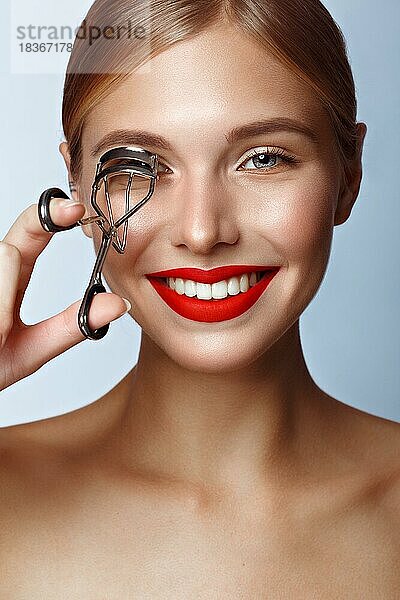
x: 146, y: 138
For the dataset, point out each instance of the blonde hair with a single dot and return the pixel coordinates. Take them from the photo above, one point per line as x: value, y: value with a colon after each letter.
x: 301, y: 33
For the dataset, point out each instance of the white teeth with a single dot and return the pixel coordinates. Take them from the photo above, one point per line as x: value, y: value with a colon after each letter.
x: 217, y: 291
x: 179, y: 286
x: 190, y: 288
x: 203, y: 291
x: 244, y: 283
x: 233, y: 286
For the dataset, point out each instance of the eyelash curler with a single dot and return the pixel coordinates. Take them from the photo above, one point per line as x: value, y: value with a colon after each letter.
x: 118, y: 161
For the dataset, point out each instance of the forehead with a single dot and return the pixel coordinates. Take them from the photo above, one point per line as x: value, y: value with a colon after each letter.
x: 217, y: 79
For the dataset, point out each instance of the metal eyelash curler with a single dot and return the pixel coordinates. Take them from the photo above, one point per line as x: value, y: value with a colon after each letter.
x: 114, y: 177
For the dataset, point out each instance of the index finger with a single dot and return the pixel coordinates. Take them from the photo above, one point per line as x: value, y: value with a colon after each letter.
x: 28, y: 235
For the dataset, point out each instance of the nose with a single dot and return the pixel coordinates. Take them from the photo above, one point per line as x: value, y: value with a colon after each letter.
x: 205, y: 215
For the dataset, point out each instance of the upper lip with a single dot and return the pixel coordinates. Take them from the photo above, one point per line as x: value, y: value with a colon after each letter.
x: 212, y: 275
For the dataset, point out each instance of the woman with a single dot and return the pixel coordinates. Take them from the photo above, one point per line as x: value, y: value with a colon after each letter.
x: 217, y: 468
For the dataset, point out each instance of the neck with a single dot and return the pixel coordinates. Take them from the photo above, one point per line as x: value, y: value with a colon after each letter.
x: 227, y: 430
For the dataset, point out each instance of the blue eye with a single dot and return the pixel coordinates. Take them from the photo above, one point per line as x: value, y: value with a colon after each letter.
x: 262, y: 160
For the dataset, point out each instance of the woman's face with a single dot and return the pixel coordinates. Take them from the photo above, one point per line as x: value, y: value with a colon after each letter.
x: 213, y: 205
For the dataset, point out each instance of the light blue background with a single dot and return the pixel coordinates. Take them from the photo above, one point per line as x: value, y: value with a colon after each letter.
x: 350, y: 331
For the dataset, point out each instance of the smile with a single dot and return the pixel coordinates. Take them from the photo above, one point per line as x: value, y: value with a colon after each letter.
x: 196, y: 300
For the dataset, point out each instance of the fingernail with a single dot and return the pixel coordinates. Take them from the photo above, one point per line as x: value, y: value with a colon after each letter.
x: 67, y: 202
x: 128, y: 304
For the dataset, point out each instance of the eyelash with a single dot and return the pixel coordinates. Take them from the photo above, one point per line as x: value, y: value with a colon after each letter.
x: 267, y: 151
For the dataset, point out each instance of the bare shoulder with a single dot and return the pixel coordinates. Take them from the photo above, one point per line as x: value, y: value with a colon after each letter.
x: 66, y: 433
x: 387, y: 436
x: 383, y: 450
x: 59, y: 432
x: 374, y: 442
x: 372, y: 439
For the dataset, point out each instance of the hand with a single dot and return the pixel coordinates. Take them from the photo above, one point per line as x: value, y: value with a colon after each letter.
x: 25, y: 348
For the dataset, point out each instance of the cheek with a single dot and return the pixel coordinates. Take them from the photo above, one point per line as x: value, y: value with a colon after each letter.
x: 298, y: 221
x: 296, y: 225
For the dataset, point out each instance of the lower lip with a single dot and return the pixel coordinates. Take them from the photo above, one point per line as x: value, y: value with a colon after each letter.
x: 212, y: 311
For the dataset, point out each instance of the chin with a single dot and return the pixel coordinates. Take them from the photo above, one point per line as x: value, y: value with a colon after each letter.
x: 221, y: 351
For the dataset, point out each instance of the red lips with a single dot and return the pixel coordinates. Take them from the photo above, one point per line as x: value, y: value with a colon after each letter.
x: 212, y: 275
x: 211, y: 311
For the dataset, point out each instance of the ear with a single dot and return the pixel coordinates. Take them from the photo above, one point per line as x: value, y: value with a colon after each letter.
x: 349, y: 190
x: 74, y: 187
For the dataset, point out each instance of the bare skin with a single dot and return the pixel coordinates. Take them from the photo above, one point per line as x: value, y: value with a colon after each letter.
x: 74, y: 518
x: 229, y: 474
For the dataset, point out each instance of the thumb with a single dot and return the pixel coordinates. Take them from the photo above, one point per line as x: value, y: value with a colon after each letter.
x: 55, y: 335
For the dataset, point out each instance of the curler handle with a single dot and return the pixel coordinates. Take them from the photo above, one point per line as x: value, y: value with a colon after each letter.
x: 44, y: 210
x: 83, y: 314
x: 95, y: 287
